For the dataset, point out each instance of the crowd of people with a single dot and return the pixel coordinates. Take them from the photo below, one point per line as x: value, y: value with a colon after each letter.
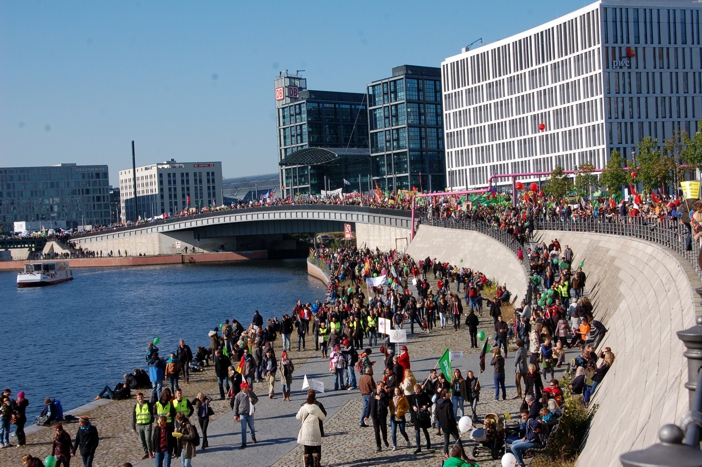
x: 344, y: 328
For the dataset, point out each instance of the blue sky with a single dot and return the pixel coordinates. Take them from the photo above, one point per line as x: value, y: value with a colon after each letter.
x: 193, y: 81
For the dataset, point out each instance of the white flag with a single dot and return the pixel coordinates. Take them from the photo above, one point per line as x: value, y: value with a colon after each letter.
x: 376, y: 281
x: 346, y: 182
x: 305, y: 383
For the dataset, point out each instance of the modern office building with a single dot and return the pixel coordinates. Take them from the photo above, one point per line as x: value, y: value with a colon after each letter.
x: 406, y: 129
x: 316, y: 119
x: 70, y: 193
x: 572, y: 90
x: 170, y: 187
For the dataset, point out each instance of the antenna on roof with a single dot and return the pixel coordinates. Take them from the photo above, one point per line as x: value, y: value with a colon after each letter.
x: 297, y: 72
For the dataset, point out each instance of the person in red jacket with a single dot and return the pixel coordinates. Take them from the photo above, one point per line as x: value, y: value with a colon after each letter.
x: 404, y: 358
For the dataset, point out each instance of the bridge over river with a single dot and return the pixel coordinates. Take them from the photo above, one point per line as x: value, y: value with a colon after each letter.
x: 266, y: 228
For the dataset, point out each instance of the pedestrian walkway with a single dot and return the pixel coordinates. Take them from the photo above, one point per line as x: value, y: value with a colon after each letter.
x: 274, y: 421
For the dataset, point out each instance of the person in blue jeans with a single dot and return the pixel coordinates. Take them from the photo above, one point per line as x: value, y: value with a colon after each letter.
x: 459, y: 392
x: 398, y: 408
x: 498, y: 362
x: 243, y: 413
x: 531, y: 440
x: 163, y: 442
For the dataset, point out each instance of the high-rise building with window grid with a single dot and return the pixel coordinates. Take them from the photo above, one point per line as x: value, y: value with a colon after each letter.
x: 406, y: 129
x: 572, y: 90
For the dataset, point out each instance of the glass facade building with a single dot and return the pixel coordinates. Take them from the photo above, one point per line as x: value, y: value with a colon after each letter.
x: 316, y: 119
x: 406, y: 129
x: 571, y: 91
x: 75, y: 194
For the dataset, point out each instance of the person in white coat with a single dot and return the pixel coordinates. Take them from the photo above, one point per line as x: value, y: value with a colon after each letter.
x: 310, y: 437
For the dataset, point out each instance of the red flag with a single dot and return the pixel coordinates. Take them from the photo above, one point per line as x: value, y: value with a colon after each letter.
x: 655, y: 198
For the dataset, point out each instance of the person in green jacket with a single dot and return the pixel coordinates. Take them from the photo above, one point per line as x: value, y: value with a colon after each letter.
x: 457, y: 458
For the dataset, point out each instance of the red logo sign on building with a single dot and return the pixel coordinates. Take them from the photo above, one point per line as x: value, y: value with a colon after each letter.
x: 279, y: 94
x: 197, y: 166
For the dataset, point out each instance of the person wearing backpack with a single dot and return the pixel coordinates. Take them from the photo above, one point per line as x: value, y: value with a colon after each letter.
x: 189, y: 440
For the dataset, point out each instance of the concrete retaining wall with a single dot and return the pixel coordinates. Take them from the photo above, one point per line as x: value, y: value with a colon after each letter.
x: 317, y: 272
x: 384, y: 237
x: 478, y: 252
x: 642, y: 293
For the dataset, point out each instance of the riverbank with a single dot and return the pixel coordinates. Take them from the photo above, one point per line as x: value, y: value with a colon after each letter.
x: 133, y: 261
x: 118, y: 444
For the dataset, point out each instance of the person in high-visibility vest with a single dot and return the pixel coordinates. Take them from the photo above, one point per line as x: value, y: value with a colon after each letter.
x: 141, y: 423
x: 182, y: 405
x: 323, y: 338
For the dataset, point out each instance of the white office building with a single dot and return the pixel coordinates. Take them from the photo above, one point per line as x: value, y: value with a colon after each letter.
x: 170, y: 187
x: 573, y: 90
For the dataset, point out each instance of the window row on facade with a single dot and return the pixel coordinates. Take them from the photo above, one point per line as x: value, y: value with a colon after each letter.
x: 555, y: 43
x: 521, y: 148
x: 650, y: 26
x: 526, y: 82
x: 404, y: 89
x: 407, y: 138
x: 684, y: 107
x: 405, y: 114
x: 479, y: 175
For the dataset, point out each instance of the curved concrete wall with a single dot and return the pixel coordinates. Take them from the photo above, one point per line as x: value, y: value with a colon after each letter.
x: 643, y: 295
x: 478, y: 252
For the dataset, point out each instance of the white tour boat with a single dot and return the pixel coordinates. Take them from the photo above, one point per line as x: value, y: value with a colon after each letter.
x: 44, y: 273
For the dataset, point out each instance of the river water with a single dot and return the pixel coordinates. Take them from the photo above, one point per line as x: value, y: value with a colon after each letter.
x: 69, y: 340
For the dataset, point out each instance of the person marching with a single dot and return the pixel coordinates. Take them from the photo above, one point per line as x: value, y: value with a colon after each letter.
x: 141, y: 424
x: 310, y: 436
x: 286, y: 368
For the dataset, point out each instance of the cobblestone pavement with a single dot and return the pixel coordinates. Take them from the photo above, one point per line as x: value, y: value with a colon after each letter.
x: 345, y: 444
x: 118, y: 444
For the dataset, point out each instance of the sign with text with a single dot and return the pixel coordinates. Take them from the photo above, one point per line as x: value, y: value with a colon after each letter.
x: 199, y: 166
x: 691, y: 190
x: 348, y: 234
x: 279, y: 93
x: 456, y: 357
x: 293, y: 92
x: 383, y: 325
x: 398, y: 335
x: 318, y: 386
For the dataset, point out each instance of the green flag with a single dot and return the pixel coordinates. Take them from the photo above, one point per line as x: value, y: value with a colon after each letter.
x: 445, y: 364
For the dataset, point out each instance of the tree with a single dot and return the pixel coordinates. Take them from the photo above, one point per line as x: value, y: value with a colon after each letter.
x: 691, y: 151
x: 558, y: 184
x: 613, y: 177
x: 585, y: 179
x: 653, y: 169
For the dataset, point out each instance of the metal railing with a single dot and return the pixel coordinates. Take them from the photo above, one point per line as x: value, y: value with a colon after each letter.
x: 668, y: 233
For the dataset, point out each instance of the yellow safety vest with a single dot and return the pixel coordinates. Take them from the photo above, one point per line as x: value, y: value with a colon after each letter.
x: 353, y: 325
x: 372, y: 322
x: 336, y: 326
x: 143, y: 414
x: 324, y: 333
x: 182, y: 407
x: 164, y: 410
